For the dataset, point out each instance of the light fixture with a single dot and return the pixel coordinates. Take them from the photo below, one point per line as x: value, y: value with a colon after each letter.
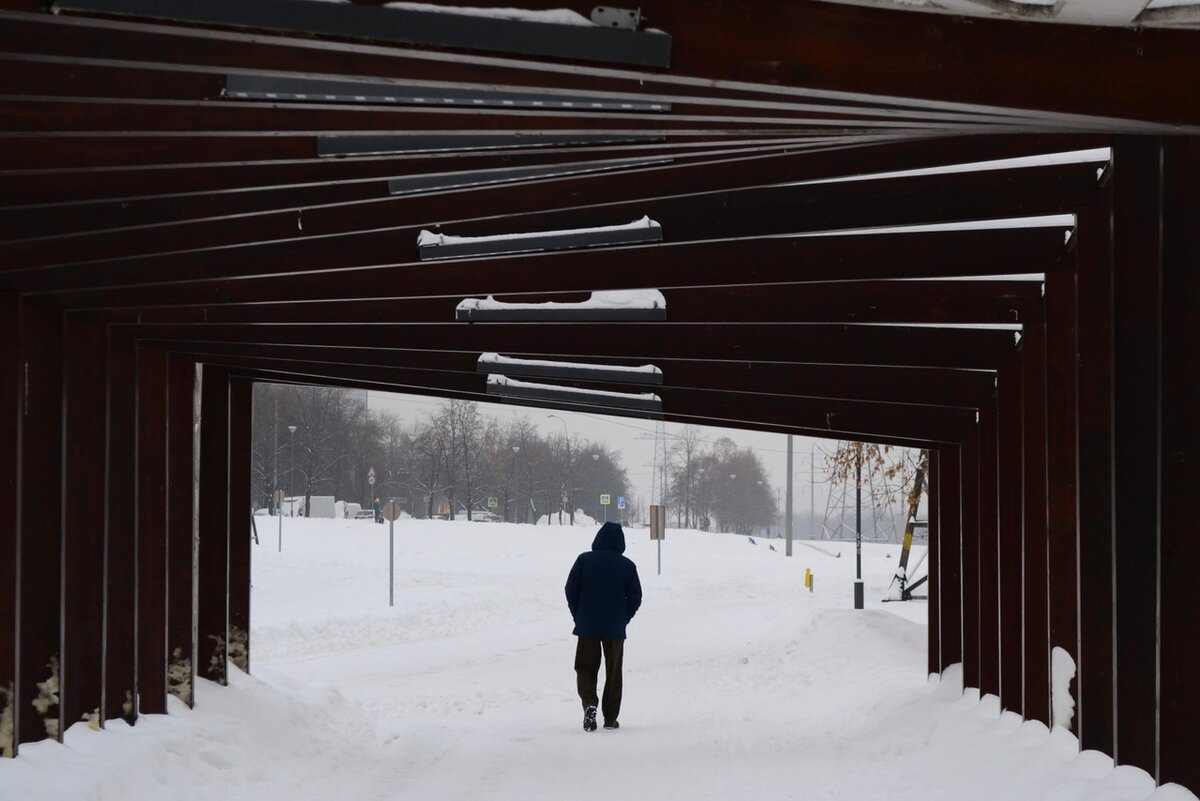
x: 495, y: 364
x: 372, y: 144
x: 287, y: 88
x: 552, y: 396
x: 609, y: 306
x: 443, y: 246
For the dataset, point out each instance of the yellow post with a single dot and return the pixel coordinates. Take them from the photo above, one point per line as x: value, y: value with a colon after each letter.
x: 808, y: 578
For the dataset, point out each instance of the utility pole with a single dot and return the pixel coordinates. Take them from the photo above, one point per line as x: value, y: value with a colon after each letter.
x: 787, y: 525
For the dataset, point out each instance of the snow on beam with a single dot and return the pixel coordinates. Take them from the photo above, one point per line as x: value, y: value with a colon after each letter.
x: 634, y: 305
x: 510, y: 390
x: 442, y: 246
x: 494, y: 363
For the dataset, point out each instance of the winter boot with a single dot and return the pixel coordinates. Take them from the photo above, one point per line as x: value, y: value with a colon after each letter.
x: 589, y: 719
x: 611, y: 724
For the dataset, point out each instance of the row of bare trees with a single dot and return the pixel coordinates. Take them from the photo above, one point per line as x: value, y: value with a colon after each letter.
x: 718, y: 486
x: 457, y: 462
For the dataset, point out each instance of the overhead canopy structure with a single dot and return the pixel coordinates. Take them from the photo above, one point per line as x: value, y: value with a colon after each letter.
x: 973, y: 235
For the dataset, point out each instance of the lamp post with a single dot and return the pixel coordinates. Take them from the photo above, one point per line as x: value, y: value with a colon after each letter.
x: 511, y: 472
x: 858, y: 581
x: 565, y: 494
x: 292, y: 432
x: 596, y: 458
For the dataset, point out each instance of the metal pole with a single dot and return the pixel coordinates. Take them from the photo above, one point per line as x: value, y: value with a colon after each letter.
x: 279, y: 514
x: 787, y: 524
x: 812, y: 484
x: 858, y: 582
x: 391, y: 563
x: 660, y: 557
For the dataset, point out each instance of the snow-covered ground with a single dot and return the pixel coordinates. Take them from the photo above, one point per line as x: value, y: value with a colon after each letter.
x: 738, y: 684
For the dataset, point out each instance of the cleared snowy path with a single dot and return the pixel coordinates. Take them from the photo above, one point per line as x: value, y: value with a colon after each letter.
x: 738, y: 684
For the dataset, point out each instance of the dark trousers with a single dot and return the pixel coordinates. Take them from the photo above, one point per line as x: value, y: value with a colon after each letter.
x: 587, y: 666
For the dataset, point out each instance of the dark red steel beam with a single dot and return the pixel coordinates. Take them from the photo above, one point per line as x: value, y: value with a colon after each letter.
x: 823, y: 343
x: 1036, y: 557
x: 926, y: 386
x: 83, y: 521
x: 41, y: 521
x: 1137, y: 356
x: 989, y: 554
x: 698, y: 216
x: 1061, y: 466
x: 181, y: 475
x: 200, y: 191
x: 212, y: 615
x: 950, y: 533
x: 121, y: 559
x: 209, y: 189
x: 970, y: 564
x: 1179, y: 649
x: 949, y: 301
x: 765, y: 413
x: 1010, y: 536
x: 241, y: 393
x: 10, y: 522
x: 363, y: 273
x: 114, y: 40
x: 1060, y: 70
x: 933, y: 641
x: 1094, y: 391
x: 864, y: 417
x: 49, y: 115
x: 152, y: 585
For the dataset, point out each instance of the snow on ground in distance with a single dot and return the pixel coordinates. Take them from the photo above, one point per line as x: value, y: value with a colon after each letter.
x: 738, y: 684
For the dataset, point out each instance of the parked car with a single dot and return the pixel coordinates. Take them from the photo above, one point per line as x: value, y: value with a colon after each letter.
x: 364, y: 514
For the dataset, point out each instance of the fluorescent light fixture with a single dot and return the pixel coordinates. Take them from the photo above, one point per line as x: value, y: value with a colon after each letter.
x: 372, y: 144
x: 495, y: 364
x: 442, y: 181
x: 608, y: 306
x: 320, y: 90
x: 510, y: 390
x: 444, y: 246
x: 427, y: 26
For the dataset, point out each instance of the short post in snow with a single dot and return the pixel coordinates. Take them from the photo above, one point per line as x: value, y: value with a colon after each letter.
x: 658, y: 529
x: 277, y: 497
x: 391, y: 510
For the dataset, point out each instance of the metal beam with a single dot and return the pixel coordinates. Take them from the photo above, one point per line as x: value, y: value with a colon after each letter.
x: 182, y: 391
x: 121, y: 556
x: 152, y: 566
x: 212, y: 615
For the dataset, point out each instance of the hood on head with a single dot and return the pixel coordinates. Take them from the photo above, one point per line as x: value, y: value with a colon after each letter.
x: 610, y: 537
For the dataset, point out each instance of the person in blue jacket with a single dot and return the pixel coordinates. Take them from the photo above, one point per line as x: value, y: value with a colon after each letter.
x: 603, y: 594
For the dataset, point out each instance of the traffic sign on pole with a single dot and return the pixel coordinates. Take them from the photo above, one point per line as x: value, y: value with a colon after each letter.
x: 620, y: 501
x: 371, y: 476
x: 605, y: 499
x: 391, y: 510
x: 492, y: 504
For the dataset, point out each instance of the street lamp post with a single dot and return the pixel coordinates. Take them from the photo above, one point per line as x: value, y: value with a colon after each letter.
x: 292, y: 432
x: 511, y: 473
x: 596, y: 458
x: 858, y: 581
x: 564, y: 496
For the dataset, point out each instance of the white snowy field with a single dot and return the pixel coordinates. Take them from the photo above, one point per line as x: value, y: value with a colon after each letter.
x: 738, y: 684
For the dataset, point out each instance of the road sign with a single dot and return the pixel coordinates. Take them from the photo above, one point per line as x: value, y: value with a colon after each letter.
x: 391, y: 510
x: 371, y: 476
x: 620, y: 501
x: 492, y: 503
x: 605, y: 499
x: 658, y: 522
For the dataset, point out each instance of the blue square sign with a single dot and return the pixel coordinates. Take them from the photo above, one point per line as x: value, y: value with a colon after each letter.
x: 620, y: 501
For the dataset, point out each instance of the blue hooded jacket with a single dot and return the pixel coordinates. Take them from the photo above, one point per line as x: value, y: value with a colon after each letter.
x: 603, y: 591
